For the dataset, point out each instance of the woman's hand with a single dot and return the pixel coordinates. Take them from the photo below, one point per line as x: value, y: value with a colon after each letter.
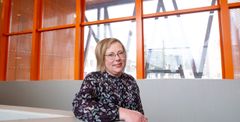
x: 131, y: 116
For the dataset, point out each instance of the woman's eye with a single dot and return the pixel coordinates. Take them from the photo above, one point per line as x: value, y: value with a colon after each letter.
x: 120, y: 53
x: 111, y: 55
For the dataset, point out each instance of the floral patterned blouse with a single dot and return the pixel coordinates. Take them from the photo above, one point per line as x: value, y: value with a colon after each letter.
x: 101, y: 95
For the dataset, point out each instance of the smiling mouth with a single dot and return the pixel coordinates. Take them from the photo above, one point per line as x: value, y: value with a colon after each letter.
x: 117, y: 65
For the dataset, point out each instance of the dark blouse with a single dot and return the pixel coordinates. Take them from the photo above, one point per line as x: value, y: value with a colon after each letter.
x: 101, y: 95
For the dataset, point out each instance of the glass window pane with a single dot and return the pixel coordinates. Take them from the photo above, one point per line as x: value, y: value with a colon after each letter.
x: 154, y: 6
x: 233, y: 1
x: 106, y: 9
x: 58, y: 12
x: 21, y: 15
x: 57, y: 55
x: 124, y: 31
x: 235, y: 31
x: 183, y: 47
x: 19, y: 57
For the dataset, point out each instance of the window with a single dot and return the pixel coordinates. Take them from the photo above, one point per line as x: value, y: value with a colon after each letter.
x: 58, y: 12
x: 168, y: 39
x: 183, y: 47
x: 19, y: 57
x: 124, y: 31
x: 108, y: 9
x: 21, y: 15
x: 57, y: 55
x: 154, y: 6
x: 232, y: 1
x: 235, y: 31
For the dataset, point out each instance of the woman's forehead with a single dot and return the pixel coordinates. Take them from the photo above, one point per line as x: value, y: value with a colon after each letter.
x: 115, y: 47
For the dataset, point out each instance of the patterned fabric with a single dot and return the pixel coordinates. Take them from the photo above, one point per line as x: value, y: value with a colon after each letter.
x: 101, y: 95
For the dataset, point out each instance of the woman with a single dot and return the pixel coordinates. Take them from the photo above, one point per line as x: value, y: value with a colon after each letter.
x: 109, y: 94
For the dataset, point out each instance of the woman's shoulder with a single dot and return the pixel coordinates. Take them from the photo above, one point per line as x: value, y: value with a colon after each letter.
x: 93, y: 77
x: 93, y: 74
x: 128, y: 76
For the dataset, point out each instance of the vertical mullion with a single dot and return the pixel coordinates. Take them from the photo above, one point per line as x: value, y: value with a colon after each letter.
x: 225, y: 40
x: 5, y: 19
x: 82, y: 15
x: 36, y: 44
x: 79, y: 41
x: 140, y: 40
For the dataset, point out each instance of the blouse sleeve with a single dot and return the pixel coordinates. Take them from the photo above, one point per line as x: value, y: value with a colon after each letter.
x: 138, y: 102
x: 87, y: 107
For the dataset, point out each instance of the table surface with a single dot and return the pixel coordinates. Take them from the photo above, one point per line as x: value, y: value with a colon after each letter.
x: 33, y: 114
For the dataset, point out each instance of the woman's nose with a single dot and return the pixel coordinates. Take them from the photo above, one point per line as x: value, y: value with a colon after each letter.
x: 117, y: 57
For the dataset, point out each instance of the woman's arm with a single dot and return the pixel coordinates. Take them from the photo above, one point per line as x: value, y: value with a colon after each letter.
x: 87, y: 107
x: 131, y: 116
x: 135, y: 112
x: 137, y: 99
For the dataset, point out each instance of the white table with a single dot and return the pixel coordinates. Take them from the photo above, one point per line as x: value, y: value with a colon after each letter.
x: 30, y: 114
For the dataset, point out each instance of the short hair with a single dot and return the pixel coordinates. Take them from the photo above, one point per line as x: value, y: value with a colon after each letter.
x: 101, y: 49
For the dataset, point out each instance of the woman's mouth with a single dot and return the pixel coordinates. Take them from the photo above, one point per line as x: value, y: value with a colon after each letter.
x: 118, y: 65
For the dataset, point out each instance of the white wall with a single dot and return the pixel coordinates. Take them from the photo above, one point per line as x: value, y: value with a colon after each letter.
x: 186, y: 100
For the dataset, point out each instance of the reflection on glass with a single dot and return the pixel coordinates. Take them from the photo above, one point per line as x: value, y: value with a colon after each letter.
x: 154, y: 6
x: 19, y: 57
x: 57, y: 55
x: 182, y: 46
x: 21, y: 15
x: 233, y: 1
x: 124, y: 31
x: 58, y: 12
x: 235, y: 31
x: 106, y: 9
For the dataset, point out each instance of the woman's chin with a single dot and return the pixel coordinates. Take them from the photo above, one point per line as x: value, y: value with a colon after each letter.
x: 117, y: 73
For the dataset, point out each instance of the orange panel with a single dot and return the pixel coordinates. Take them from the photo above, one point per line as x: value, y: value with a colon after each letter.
x: 225, y: 40
x: 81, y: 33
x: 140, y: 41
x: 35, y: 62
x: 79, y: 41
x: 4, y: 38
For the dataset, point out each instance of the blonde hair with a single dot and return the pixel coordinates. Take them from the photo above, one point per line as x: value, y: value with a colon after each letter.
x: 101, y: 49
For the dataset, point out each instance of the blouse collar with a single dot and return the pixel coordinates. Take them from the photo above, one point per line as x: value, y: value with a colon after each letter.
x: 107, y: 75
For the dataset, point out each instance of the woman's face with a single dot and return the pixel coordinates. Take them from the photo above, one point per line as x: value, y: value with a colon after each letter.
x: 115, y: 59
